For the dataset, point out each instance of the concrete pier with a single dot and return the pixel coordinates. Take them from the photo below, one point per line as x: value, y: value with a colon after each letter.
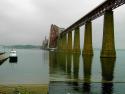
x: 59, y: 44
x: 108, y: 45
x: 69, y: 43
x: 87, y: 48
x: 64, y: 43
x: 76, y: 47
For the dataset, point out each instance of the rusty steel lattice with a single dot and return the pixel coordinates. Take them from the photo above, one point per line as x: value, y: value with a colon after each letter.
x: 95, y: 13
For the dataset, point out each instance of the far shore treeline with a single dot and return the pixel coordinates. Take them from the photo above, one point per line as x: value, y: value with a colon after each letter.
x: 23, y: 46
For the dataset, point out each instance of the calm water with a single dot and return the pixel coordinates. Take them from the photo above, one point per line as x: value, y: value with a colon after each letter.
x: 31, y: 68
x: 67, y: 73
x: 77, y: 74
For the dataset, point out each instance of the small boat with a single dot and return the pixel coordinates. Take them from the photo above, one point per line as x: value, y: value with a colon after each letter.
x: 13, y: 56
x: 52, y: 49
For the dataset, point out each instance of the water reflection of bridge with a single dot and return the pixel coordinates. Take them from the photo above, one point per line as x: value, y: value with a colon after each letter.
x: 68, y: 66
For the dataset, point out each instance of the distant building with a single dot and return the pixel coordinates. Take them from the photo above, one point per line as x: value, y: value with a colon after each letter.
x: 54, y: 33
x: 45, y: 43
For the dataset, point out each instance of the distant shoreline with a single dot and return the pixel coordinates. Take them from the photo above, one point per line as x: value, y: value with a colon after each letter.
x: 23, y: 47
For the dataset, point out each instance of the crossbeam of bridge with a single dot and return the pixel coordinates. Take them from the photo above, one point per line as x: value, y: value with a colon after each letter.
x: 95, y: 13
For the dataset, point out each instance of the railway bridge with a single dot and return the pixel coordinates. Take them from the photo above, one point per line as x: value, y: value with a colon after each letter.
x: 108, y: 45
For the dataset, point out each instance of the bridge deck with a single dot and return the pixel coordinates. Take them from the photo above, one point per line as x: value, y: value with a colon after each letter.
x: 95, y: 13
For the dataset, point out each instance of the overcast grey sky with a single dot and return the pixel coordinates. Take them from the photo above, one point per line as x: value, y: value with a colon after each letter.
x: 28, y: 21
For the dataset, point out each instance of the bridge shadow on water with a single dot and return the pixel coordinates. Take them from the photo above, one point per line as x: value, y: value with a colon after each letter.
x: 66, y: 71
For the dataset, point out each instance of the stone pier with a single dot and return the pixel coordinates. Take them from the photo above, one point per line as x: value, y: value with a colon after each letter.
x: 59, y: 44
x: 69, y: 43
x: 76, y: 47
x: 88, y: 49
x: 64, y: 43
x: 108, y: 44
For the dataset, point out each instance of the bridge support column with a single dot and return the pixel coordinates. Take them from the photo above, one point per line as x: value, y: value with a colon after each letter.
x: 69, y: 44
x: 59, y: 44
x: 88, y: 49
x: 76, y: 47
x: 108, y: 46
x: 64, y: 43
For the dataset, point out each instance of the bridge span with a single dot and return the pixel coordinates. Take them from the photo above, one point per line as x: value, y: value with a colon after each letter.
x: 108, y: 45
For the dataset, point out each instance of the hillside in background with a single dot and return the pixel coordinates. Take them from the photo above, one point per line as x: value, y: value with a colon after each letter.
x: 24, y: 46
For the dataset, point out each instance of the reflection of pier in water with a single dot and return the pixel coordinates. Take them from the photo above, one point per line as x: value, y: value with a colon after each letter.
x: 107, y: 75
x: 87, y: 62
x: 64, y: 74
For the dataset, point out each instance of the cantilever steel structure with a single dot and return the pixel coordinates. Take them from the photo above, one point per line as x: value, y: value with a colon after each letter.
x: 95, y: 13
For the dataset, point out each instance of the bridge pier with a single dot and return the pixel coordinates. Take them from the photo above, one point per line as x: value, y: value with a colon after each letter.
x: 64, y: 43
x: 59, y: 44
x: 76, y: 47
x: 69, y: 43
x: 108, y: 45
x: 88, y: 49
